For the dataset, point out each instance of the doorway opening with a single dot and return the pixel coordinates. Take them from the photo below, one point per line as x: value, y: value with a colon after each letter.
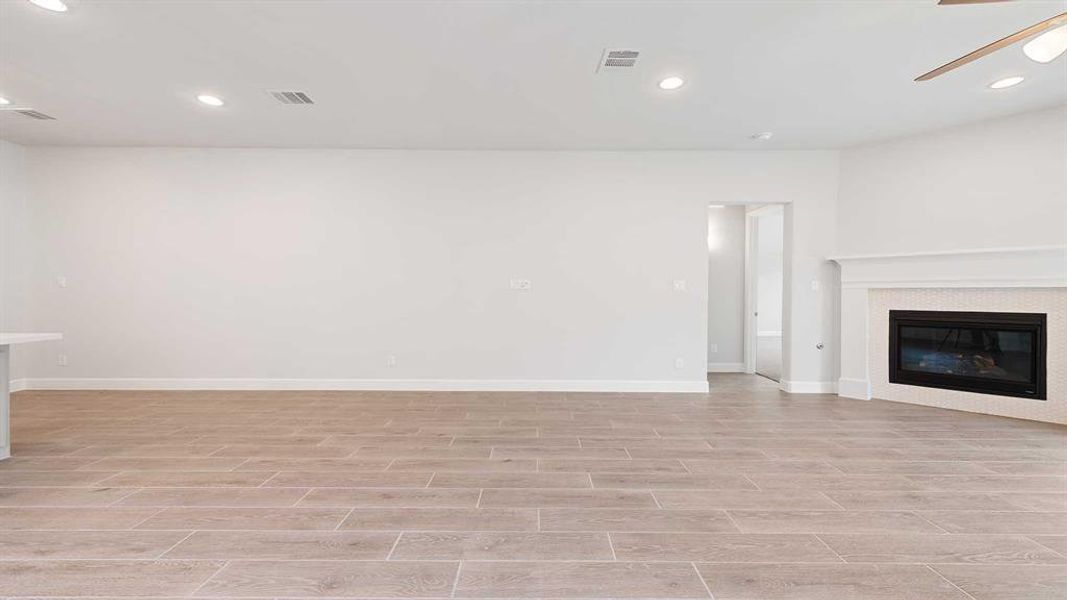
x: 746, y: 258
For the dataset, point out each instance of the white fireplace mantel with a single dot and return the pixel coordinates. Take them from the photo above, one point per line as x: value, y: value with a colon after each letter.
x: 1025, y: 267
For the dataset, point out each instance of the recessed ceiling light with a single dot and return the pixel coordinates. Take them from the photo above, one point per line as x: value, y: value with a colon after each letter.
x: 762, y: 136
x: 1048, y: 46
x: 671, y: 83
x: 1007, y: 82
x: 210, y: 100
x: 4, y: 101
x: 52, y: 5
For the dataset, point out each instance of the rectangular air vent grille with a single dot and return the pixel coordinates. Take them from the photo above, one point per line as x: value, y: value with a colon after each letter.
x: 33, y: 114
x: 291, y: 97
x: 615, y: 59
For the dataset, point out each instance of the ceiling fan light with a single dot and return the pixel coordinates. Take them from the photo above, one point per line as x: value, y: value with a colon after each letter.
x: 1048, y: 46
x: 1007, y: 82
x: 671, y: 83
x: 52, y: 5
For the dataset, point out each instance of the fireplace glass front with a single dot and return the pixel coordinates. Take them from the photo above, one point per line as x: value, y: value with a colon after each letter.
x: 992, y: 353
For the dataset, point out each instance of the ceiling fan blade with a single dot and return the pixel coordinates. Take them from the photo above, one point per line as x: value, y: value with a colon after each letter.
x: 1018, y: 36
x: 951, y: 2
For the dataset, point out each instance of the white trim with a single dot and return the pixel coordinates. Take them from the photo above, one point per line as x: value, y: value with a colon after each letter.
x: 766, y: 209
x: 17, y: 385
x: 5, y: 452
x: 1037, y: 267
x: 726, y: 367
x: 441, y: 385
x: 1031, y: 282
x: 1011, y: 250
x: 808, y: 387
x: 860, y: 389
x: 8, y: 338
x: 751, y: 290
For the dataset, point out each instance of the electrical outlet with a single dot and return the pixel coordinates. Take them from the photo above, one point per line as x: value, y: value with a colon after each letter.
x: 679, y: 363
x: 520, y: 284
x: 61, y: 360
x: 713, y: 348
x: 61, y: 281
x: 679, y: 285
x: 390, y: 360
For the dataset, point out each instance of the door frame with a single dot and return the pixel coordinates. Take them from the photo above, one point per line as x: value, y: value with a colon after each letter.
x: 751, y: 302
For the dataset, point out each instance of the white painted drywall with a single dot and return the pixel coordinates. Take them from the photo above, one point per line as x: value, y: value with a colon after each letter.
x: 996, y: 184
x: 726, y: 288
x: 769, y: 266
x: 810, y: 317
x: 13, y: 246
x: 193, y: 264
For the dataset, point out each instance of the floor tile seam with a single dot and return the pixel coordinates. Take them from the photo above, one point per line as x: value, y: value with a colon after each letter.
x: 703, y: 581
x: 455, y: 582
x: 175, y: 545
x: 209, y: 578
x: 602, y: 561
x: 237, y: 467
x: 145, y: 520
x: 1032, y: 536
x: 616, y: 530
x: 296, y: 503
x: 949, y: 581
x: 829, y: 547
x: 343, y: 519
x: 396, y: 542
x: 265, y: 481
x: 828, y: 497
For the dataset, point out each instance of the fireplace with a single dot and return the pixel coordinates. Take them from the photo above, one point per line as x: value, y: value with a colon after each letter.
x: 988, y: 353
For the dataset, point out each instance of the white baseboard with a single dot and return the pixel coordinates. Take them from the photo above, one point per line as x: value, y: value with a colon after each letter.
x: 859, y: 389
x: 17, y: 385
x: 435, y: 385
x: 726, y: 367
x: 808, y: 387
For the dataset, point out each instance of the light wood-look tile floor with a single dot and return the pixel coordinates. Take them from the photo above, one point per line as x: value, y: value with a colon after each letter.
x: 745, y: 493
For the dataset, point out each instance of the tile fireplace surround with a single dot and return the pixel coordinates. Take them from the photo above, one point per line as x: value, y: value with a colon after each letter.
x: 996, y: 280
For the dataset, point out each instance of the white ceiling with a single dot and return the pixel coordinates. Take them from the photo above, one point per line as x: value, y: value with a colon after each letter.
x: 509, y: 74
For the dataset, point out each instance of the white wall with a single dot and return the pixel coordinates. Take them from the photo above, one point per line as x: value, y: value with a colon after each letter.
x: 769, y: 266
x: 13, y: 246
x: 726, y: 288
x: 995, y: 184
x: 199, y: 264
x: 811, y: 317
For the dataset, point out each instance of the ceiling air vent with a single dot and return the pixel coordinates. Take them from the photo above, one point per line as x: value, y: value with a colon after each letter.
x: 617, y: 59
x: 33, y: 114
x: 290, y: 97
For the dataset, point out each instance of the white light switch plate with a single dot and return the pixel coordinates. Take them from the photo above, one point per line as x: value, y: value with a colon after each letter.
x: 520, y: 284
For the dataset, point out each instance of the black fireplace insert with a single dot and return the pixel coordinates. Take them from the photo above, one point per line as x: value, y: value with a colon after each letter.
x: 988, y: 353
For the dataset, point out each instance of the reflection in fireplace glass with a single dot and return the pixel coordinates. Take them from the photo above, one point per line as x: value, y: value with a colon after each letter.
x: 970, y: 352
